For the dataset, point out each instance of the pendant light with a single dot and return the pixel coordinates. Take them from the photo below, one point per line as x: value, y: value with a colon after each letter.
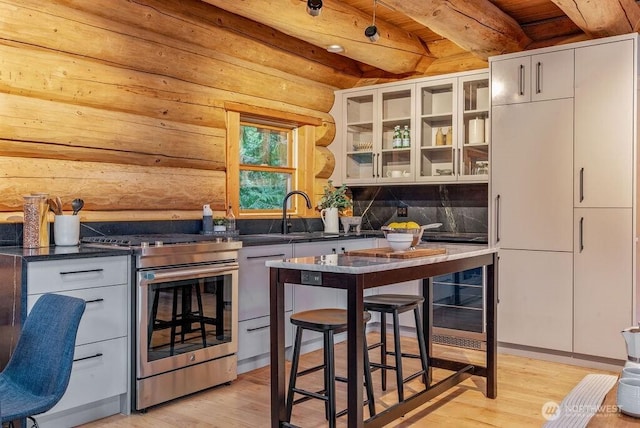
x: 314, y: 7
x: 371, y: 32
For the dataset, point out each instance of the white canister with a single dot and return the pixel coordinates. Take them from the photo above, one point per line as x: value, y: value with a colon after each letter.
x: 476, y: 131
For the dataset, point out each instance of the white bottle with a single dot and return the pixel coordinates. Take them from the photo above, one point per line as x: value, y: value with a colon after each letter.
x: 231, y: 220
x: 207, y: 219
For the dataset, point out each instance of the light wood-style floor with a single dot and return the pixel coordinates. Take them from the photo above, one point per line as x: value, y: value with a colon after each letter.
x: 524, y: 385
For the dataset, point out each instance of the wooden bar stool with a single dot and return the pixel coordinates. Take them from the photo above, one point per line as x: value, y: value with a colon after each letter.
x: 395, y: 304
x: 328, y: 322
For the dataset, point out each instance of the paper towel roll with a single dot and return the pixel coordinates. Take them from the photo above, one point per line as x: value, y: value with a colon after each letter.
x: 476, y: 131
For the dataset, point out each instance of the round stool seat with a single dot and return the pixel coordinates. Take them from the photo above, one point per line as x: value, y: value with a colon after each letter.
x: 392, y: 302
x: 324, y: 319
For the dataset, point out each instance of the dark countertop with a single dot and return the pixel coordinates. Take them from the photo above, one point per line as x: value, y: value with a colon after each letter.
x: 58, y: 252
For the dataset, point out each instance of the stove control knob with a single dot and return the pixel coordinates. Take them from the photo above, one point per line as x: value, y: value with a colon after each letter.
x: 144, y: 245
x: 159, y: 243
x: 149, y: 276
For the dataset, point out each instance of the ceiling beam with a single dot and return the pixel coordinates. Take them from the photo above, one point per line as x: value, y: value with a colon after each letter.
x: 477, y: 26
x: 602, y: 18
x: 396, y: 51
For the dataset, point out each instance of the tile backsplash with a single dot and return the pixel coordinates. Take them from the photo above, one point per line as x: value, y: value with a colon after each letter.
x: 461, y: 208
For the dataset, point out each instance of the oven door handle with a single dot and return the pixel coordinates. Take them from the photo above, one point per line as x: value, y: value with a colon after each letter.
x: 189, y: 273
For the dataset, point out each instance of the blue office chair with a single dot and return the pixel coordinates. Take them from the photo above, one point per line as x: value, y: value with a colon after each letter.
x: 38, y: 371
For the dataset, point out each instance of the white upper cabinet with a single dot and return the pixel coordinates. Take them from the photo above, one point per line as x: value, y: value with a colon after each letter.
x: 528, y: 78
x: 371, y: 117
x: 443, y: 127
x: 604, y: 149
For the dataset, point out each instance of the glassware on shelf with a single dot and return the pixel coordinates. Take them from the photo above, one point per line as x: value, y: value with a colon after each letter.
x: 440, y: 138
x: 406, y: 137
x: 397, y: 137
x: 449, y: 136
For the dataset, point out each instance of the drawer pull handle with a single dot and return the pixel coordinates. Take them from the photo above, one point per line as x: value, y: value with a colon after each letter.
x: 99, y: 354
x: 258, y: 328
x: 82, y: 271
x: 99, y: 299
x: 268, y: 256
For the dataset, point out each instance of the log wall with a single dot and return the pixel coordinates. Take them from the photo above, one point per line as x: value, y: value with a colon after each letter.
x: 122, y: 103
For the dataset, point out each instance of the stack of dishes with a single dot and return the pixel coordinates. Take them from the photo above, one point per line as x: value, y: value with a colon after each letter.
x: 628, y: 398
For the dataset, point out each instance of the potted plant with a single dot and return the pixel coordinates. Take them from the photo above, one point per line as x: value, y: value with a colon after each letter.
x: 333, y: 201
x: 219, y: 224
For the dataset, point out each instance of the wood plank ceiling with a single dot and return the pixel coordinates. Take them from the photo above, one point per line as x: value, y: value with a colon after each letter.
x: 428, y: 37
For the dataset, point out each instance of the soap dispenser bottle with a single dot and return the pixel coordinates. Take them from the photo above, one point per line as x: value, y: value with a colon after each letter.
x: 207, y: 219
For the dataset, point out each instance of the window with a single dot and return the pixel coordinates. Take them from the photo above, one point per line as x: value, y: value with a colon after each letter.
x: 269, y: 153
x: 266, y: 166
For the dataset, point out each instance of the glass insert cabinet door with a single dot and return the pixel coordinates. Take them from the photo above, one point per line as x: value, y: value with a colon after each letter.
x: 360, y: 153
x: 475, y: 126
x: 379, y: 135
x: 437, y: 120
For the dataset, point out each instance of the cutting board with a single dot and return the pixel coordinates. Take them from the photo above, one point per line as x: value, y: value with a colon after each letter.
x: 389, y: 253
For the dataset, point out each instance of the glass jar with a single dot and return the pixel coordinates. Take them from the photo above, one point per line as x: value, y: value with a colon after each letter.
x: 35, y: 231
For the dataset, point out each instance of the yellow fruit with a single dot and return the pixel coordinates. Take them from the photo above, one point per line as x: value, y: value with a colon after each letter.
x: 394, y: 225
x: 412, y: 225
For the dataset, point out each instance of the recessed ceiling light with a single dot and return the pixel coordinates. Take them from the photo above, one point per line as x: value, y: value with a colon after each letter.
x: 335, y: 48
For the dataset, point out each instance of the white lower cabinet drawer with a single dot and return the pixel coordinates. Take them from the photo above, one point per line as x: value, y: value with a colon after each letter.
x: 105, y: 314
x: 99, y: 371
x: 59, y: 275
x: 254, y: 338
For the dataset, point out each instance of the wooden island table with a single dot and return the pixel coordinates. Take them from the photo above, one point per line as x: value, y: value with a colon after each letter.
x: 356, y: 274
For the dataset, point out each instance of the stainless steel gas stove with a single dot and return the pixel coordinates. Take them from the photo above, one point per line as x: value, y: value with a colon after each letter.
x: 185, y: 312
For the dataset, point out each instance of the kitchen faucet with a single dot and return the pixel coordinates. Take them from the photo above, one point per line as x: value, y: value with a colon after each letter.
x: 284, y: 207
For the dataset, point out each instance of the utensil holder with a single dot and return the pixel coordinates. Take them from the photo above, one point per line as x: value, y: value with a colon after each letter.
x: 66, y: 230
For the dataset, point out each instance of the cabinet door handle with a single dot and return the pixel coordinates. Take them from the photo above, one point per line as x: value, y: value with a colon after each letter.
x: 581, y: 184
x: 99, y: 299
x: 74, y: 272
x: 268, y: 256
x: 378, y: 164
x: 262, y: 327
x: 497, y: 218
x: 581, y: 234
x: 538, y: 77
x: 99, y: 354
x: 521, y: 80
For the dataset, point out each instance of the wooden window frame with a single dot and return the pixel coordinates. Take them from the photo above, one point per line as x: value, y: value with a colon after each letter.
x: 302, y: 150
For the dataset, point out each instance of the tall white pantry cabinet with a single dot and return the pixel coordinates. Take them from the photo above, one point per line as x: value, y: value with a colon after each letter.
x: 563, y: 206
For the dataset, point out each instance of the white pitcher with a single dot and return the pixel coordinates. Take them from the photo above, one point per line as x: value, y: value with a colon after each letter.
x: 632, y: 338
x: 330, y: 220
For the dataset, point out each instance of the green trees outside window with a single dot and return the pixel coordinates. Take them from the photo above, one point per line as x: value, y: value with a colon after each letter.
x: 266, y: 166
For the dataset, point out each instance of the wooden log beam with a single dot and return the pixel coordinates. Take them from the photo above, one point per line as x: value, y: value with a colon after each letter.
x: 477, y: 26
x: 397, y: 51
x: 602, y: 18
x: 81, y: 133
x: 205, y: 25
x: 110, y: 187
x: 42, y: 24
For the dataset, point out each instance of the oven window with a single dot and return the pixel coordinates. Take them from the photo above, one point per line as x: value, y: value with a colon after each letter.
x: 188, y: 315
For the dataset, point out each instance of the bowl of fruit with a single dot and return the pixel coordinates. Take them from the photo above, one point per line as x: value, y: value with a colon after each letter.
x: 409, y: 227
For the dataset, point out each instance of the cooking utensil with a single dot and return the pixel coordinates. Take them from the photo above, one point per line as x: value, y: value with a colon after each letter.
x: 54, y: 207
x: 59, y: 204
x: 77, y: 205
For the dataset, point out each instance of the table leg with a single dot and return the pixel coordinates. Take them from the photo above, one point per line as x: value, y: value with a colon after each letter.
x: 355, y: 358
x: 278, y: 408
